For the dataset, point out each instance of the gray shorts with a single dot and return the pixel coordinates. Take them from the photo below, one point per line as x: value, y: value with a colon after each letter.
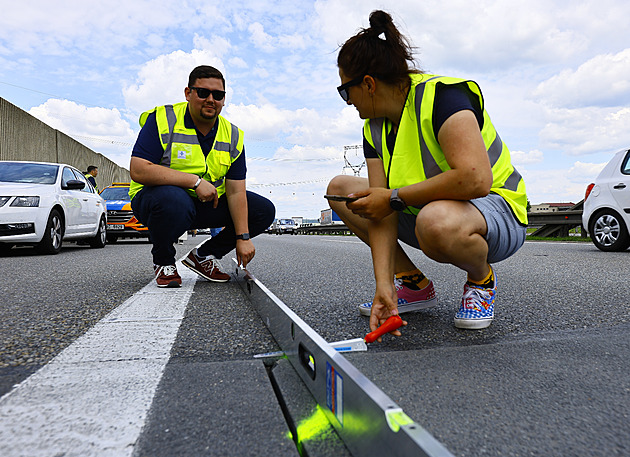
x: 505, y: 234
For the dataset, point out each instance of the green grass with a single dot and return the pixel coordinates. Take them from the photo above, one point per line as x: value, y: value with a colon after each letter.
x: 576, y: 239
x: 576, y: 232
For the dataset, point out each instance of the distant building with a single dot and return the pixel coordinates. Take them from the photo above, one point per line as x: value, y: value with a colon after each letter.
x: 551, y: 207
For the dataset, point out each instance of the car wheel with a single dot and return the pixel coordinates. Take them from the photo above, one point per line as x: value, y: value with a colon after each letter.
x: 101, y: 235
x: 609, y: 232
x: 51, y: 242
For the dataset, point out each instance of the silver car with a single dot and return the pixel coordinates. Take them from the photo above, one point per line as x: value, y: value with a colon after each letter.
x: 606, y: 214
x: 43, y: 204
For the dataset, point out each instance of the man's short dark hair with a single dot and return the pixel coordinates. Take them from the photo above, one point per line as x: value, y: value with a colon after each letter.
x: 91, y: 167
x: 204, y: 71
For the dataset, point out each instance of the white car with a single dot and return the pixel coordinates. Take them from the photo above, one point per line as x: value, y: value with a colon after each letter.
x: 43, y: 204
x: 606, y: 214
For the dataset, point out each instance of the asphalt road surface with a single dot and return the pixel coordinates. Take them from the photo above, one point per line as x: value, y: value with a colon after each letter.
x: 148, y: 371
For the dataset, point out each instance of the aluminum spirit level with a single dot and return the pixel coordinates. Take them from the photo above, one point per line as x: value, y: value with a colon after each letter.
x: 367, y: 420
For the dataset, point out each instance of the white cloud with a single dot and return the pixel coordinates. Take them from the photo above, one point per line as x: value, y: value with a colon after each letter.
x: 551, y: 186
x: 586, y: 130
x: 296, y: 41
x: 560, y: 184
x: 553, y: 75
x: 68, y: 116
x: 600, y: 81
x: 216, y: 45
x: 259, y: 38
x: 582, y: 172
x: 102, y: 130
x: 162, y: 80
x: 102, y: 28
x: 238, y: 62
x: 296, y: 186
x: 264, y: 122
x: 267, y: 122
x: 451, y: 33
x: 525, y: 158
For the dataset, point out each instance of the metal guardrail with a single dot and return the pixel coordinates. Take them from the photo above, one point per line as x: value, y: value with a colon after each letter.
x: 331, y: 229
x: 557, y: 223
x: 553, y: 224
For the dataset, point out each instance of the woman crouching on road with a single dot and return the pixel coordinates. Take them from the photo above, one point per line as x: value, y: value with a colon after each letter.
x: 439, y: 178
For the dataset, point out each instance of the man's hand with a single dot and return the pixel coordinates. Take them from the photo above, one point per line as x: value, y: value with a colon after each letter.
x: 384, y: 305
x: 372, y: 203
x: 245, y: 252
x: 207, y: 193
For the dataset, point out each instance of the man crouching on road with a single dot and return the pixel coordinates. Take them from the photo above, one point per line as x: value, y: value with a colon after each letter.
x: 188, y: 172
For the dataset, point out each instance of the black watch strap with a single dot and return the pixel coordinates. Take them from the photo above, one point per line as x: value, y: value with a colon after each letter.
x: 395, y: 202
x: 243, y: 236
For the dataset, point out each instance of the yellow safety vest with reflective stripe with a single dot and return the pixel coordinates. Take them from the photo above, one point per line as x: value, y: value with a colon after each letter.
x: 88, y: 176
x: 183, y: 152
x: 417, y: 155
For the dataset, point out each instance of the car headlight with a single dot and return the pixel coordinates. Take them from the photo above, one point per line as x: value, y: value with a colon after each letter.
x: 26, y: 201
x: 3, y: 201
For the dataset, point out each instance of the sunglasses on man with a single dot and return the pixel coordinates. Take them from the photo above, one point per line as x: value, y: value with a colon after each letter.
x: 204, y: 93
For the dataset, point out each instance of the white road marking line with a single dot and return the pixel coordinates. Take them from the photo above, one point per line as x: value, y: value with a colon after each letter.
x: 344, y: 241
x: 93, y: 398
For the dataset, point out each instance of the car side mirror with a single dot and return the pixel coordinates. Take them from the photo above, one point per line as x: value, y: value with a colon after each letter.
x: 73, y: 184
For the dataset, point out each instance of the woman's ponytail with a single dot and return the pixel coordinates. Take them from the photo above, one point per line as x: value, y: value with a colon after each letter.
x: 380, y: 51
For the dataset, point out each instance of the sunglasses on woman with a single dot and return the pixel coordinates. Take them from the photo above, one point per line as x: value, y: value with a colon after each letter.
x: 204, y: 93
x: 343, y: 89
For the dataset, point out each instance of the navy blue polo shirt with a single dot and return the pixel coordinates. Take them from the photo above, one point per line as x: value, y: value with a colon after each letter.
x: 149, y: 147
x: 449, y: 99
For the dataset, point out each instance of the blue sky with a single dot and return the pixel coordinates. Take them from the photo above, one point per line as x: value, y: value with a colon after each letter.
x: 554, y: 76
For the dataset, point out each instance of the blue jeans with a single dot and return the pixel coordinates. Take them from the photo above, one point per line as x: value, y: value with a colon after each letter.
x: 168, y: 212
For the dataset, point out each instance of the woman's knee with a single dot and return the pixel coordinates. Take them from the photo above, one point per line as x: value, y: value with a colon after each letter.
x: 435, y: 225
x: 344, y: 185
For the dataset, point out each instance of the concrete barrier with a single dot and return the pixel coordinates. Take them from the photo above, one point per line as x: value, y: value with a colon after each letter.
x: 24, y: 137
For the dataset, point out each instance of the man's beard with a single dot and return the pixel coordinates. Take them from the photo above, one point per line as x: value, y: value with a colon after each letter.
x: 208, y: 117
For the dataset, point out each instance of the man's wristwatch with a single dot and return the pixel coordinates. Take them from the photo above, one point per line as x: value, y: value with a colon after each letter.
x: 243, y: 236
x: 396, y: 203
x: 197, y: 183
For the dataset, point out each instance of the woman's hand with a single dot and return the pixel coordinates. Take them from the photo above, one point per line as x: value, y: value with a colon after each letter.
x: 372, y: 204
x: 384, y: 305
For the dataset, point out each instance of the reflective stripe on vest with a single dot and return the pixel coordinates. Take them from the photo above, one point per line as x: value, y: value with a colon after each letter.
x: 408, y: 167
x: 183, y: 152
x: 87, y: 177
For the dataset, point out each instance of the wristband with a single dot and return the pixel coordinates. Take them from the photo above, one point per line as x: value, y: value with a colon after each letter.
x: 197, y: 184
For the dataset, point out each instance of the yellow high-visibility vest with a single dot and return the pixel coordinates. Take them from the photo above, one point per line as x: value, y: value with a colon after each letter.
x: 183, y: 152
x: 88, y: 176
x: 417, y: 155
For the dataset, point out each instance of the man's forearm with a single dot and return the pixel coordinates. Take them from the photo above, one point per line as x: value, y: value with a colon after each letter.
x: 237, y: 204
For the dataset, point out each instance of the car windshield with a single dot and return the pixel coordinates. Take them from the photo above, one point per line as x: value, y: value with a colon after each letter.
x: 286, y: 221
x: 116, y: 193
x: 32, y: 173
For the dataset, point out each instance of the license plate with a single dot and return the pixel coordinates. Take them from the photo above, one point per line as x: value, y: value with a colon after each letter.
x: 116, y: 226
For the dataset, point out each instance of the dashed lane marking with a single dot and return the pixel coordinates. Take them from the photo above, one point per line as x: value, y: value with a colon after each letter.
x: 93, y: 398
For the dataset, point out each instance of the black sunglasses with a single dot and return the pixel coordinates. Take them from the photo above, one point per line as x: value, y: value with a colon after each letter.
x: 205, y: 93
x: 343, y: 89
